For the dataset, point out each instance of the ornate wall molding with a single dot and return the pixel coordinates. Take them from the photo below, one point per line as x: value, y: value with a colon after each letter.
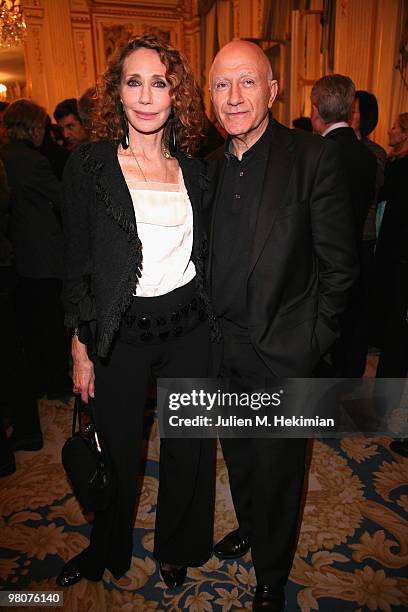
x: 123, y: 6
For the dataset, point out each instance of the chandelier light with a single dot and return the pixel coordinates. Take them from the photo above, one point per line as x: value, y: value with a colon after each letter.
x: 12, y: 26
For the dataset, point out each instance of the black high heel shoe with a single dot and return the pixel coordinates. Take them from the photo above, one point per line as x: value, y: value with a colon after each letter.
x: 173, y: 577
x: 70, y: 574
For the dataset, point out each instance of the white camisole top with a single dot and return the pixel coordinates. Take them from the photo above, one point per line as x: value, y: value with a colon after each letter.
x: 164, y: 220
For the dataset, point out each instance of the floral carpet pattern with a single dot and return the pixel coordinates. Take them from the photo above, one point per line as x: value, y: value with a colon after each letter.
x: 352, y: 552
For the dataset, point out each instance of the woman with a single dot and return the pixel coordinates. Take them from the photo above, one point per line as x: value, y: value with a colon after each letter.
x: 364, y: 120
x: 391, y: 259
x: 391, y: 266
x: 134, y: 292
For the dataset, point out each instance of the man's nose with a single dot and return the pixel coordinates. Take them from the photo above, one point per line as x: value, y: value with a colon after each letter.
x: 235, y: 96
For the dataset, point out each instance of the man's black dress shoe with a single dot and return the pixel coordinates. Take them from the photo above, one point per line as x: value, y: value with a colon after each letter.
x: 173, y: 575
x: 268, y: 598
x: 232, y: 546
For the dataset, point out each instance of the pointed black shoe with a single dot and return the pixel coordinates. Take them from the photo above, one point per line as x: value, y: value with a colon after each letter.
x: 232, y: 546
x: 70, y: 574
x: 173, y: 577
x: 268, y: 598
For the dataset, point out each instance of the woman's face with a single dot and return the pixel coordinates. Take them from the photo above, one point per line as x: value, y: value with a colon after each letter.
x: 144, y: 91
x: 355, y: 115
x: 396, y: 136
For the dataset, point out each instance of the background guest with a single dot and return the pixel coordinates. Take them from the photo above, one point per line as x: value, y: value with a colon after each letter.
x: 36, y: 236
x: 391, y: 259
x: 303, y: 123
x: 86, y: 106
x: 390, y: 294
x: 56, y: 154
x: 18, y: 402
x: 68, y: 119
x: 332, y: 98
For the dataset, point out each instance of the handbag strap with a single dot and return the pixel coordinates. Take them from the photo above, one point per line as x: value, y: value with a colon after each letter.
x: 77, y: 414
x: 79, y: 411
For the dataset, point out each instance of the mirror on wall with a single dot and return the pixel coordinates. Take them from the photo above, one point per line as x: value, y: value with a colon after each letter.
x: 12, y: 73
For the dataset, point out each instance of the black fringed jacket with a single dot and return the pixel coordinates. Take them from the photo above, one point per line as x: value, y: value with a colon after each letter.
x: 103, y: 255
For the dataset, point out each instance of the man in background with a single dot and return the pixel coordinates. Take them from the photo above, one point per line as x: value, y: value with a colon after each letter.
x: 332, y: 100
x: 68, y: 119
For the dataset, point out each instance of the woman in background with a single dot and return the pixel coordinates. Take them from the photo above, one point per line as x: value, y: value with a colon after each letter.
x: 391, y: 265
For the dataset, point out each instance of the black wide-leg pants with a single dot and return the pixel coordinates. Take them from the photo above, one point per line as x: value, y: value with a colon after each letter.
x: 40, y: 317
x: 185, y: 507
x: 266, y: 475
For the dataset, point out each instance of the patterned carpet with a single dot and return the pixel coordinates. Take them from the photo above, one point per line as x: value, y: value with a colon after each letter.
x: 352, y: 553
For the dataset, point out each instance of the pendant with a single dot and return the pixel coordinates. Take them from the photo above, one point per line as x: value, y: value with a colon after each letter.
x: 166, y: 152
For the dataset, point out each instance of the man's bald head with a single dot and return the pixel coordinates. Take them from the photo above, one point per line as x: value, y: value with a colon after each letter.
x: 235, y: 49
x: 242, y: 90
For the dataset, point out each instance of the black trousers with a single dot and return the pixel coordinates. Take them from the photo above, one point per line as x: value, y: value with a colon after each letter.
x: 46, y: 344
x: 266, y: 475
x: 393, y: 361
x: 349, y: 352
x: 18, y: 394
x: 185, y: 506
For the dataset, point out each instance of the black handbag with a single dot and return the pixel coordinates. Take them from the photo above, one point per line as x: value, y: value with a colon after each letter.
x: 87, y: 464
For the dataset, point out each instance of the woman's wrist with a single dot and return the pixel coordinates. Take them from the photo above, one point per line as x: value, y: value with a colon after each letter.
x: 79, y: 349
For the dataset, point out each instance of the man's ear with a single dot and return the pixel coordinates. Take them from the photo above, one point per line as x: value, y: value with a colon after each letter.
x: 273, y: 87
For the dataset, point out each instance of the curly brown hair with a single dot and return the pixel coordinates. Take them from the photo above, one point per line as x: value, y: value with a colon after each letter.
x: 187, y: 117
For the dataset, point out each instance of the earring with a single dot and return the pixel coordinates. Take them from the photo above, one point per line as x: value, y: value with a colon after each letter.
x: 125, y: 127
x: 172, y: 140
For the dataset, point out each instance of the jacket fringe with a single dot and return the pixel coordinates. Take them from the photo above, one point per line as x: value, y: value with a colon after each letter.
x: 133, y: 271
x: 199, y: 259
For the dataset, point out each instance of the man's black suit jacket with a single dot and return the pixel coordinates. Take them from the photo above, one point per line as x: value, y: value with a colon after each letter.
x: 360, y: 168
x: 35, y: 205
x: 303, y: 261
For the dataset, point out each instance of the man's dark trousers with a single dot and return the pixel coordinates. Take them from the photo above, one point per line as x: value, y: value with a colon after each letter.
x: 266, y: 474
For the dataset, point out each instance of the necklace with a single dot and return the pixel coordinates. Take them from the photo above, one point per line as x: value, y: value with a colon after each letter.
x: 165, y: 153
x: 138, y: 165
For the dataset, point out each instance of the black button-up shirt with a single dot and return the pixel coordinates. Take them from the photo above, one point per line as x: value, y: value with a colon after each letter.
x: 235, y: 220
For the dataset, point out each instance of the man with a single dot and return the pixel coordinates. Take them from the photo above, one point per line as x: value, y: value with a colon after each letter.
x: 67, y: 117
x: 332, y: 100
x: 281, y: 263
x: 37, y: 240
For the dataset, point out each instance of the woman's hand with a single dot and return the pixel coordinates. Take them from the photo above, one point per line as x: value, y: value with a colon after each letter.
x: 83, y: 370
